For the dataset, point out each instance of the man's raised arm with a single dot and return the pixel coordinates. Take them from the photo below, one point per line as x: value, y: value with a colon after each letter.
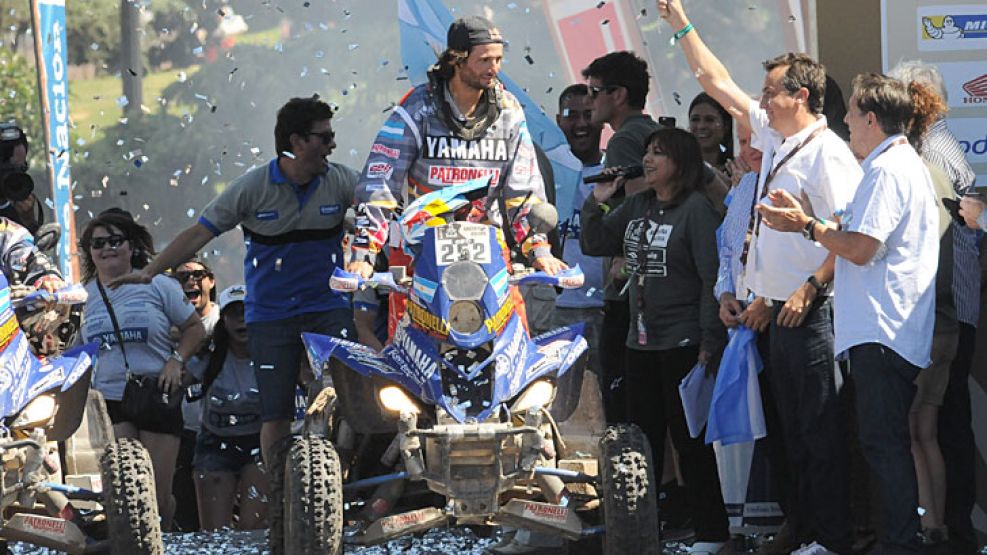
x: 712, y: 75
x: 181, y: 248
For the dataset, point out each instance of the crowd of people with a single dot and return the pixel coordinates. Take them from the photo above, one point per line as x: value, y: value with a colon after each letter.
x: 826, y: 235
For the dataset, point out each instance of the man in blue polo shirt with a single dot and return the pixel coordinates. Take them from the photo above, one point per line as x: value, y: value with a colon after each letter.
x: 291, y: 212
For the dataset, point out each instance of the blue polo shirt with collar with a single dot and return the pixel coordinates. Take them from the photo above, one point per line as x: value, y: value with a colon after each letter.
x: 293, y: 236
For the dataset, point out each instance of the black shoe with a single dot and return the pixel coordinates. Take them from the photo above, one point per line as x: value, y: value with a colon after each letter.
x: 681, y: 531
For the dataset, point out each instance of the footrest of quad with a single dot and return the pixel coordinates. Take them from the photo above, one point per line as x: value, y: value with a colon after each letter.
x: 542, y: 517
x: 45, y: 531
x: 390, y: 527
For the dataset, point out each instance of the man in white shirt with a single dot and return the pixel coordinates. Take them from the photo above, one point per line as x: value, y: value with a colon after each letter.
x: 885, y: 288
x: 805, y: 158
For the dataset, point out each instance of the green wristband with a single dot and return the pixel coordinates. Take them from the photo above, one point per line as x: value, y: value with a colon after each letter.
x: 682, y: 32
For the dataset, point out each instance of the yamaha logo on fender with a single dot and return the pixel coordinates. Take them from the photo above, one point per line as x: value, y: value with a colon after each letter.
x: 451, y: 148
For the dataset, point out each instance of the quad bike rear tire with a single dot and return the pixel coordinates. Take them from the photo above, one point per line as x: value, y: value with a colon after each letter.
x: 628, y: 492
x: 313, y: 498
x: 129, y: 499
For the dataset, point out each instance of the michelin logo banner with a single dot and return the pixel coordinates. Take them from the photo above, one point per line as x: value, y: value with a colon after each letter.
x: 952, y: 27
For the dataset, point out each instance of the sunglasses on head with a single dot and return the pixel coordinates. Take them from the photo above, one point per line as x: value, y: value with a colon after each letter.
x: 197, y: 275
x: 326, y: 136
x: 113, y: 241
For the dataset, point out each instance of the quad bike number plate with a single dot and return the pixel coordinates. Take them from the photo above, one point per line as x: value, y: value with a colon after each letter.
x: 461, y: 242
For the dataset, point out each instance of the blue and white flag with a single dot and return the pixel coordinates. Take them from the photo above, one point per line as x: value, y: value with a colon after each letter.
x: 735, y: 413
x: 423, y: 30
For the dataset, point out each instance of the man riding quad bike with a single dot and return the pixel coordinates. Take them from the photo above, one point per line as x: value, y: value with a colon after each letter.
x: 474, y: 401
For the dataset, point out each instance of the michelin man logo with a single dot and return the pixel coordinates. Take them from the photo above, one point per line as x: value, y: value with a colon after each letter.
x: 947, y: 31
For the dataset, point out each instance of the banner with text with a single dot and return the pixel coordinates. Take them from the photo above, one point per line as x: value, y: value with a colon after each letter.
x: 48, y: 21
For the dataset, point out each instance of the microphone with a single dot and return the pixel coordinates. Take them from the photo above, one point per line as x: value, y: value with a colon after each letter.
x: 627, y: 172
x: 543, y: 218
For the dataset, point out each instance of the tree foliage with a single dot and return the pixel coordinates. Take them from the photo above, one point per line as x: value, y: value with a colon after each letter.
x: 20, y: 102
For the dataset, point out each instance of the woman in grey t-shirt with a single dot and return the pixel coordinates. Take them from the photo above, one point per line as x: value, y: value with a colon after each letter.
x: 112, y: 245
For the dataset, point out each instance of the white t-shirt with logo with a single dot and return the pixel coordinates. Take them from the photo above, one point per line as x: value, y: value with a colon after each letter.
x: 145, y: 313
x: 823, y: 175
x: 590, y: 295
x: 891, y: 299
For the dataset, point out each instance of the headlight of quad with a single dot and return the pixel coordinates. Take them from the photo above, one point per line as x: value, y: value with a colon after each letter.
x: 538, y: 394
x: 464, y: 281
x: 37, y: 413
x: 395, y: 399
x: 465, y: 317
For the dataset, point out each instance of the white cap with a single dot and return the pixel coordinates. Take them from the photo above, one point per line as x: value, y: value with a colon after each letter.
x: 232, y: 294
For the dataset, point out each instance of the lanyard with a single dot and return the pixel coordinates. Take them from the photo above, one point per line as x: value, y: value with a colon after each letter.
x: 754, y: 222
x: 894, y: 143
x: 642, y: 268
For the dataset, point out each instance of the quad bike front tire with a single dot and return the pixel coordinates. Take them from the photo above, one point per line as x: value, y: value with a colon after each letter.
x: 129, y: 499
x: 628, y: 492
x: 275, y: 510
x: 313, y: 498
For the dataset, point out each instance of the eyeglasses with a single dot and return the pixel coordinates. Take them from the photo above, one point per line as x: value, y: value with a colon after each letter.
x: 113, y: 240
x: 197, y: 275
x: 327, y: 136
x: 595, y: 90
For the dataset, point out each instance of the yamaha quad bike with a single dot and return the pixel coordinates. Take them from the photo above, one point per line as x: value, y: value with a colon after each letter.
x: 473, y: 400
x: 50, y: 423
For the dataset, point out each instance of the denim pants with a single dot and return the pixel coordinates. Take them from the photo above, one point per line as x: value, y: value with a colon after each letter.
x: 885, y: 390
x: 805, y: 381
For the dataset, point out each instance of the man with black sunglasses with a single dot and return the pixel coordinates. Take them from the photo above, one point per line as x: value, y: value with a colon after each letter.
x: 617, y: 90
x: 291, y: 211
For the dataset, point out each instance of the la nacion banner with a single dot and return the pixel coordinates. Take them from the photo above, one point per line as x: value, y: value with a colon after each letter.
x: 48, y: 22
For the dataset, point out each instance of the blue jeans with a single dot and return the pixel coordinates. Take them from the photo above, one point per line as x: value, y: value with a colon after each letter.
x: 885, y: 390
x: 805, y: 382
x: 277, y: 352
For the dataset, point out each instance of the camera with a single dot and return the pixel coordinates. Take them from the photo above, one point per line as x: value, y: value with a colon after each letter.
x: 15, y: 183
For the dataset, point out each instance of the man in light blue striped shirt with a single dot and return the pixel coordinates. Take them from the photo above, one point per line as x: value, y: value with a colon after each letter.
x: 731, y: 240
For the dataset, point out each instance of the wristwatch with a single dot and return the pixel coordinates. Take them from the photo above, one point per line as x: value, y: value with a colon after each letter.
x: 820, y: 287
x: 177, y: 356
x: 809, y: 229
